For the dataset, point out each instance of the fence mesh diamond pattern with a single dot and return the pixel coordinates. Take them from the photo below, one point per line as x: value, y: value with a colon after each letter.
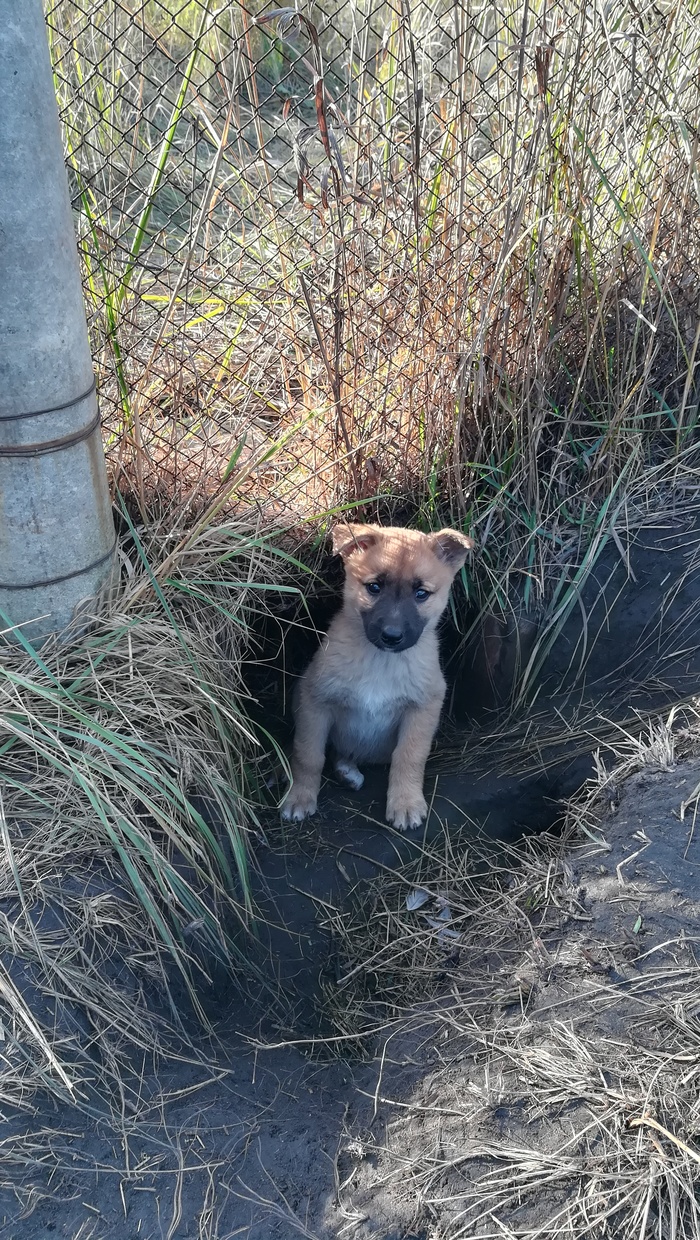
x: 354, y: 225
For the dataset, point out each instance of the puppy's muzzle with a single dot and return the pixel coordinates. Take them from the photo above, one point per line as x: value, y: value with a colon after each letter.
x: 391, y: 627
x: 392, y: 638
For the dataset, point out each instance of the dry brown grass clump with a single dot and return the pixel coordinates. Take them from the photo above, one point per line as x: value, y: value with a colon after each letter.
x: 128, y: 791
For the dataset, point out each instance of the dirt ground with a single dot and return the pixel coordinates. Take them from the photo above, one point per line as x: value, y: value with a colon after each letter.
x: 531, y: 1063
x: 533, y: 1113
x: 515, y: 1094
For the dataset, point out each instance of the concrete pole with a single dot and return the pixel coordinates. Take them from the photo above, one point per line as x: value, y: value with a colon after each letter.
x: 56, y: 528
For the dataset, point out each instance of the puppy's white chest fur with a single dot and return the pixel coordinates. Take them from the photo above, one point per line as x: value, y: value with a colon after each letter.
x: 366, y: 721
x: 369, y: 694
x: 366, y: 724
x: 379, y: 689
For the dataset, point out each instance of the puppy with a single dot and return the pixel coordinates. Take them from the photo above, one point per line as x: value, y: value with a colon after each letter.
x: 375, y: 689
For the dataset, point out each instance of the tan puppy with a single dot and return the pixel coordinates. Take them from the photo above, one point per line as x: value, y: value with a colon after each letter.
x: 375, y: 689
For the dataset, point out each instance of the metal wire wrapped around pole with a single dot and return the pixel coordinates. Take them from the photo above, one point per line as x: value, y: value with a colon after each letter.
x: 56, y: 528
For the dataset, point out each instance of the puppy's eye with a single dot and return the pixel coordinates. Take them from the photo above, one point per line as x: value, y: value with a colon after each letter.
x: 421, y: 594
x: 372, y: 587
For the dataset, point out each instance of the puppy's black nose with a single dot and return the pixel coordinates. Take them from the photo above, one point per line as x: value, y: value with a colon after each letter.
x: 392, y: 636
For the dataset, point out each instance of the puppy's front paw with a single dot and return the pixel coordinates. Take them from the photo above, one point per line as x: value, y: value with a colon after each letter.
x: 298, y: 804
x: 406, y: 809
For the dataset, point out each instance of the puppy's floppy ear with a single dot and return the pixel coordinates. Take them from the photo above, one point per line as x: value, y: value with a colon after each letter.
x: 451, y: 547
x: 349, y: 538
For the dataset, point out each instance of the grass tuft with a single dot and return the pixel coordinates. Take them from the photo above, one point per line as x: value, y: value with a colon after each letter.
x: 129, y: 787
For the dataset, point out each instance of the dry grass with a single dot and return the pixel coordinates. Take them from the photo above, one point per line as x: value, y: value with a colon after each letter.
x: 129, y: 786
x: 478, y: 286
x: 558, y: 1090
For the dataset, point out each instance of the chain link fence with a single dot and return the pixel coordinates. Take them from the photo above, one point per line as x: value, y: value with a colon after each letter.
x: 342, y: 241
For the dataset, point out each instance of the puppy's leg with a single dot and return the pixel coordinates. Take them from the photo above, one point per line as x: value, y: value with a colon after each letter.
x: 313, y: 724
x: 348, y: 773
x: 405, y: 805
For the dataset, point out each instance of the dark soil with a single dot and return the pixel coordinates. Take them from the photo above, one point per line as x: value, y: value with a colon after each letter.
x: 603, y: 1033
x: 254, y: 1142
